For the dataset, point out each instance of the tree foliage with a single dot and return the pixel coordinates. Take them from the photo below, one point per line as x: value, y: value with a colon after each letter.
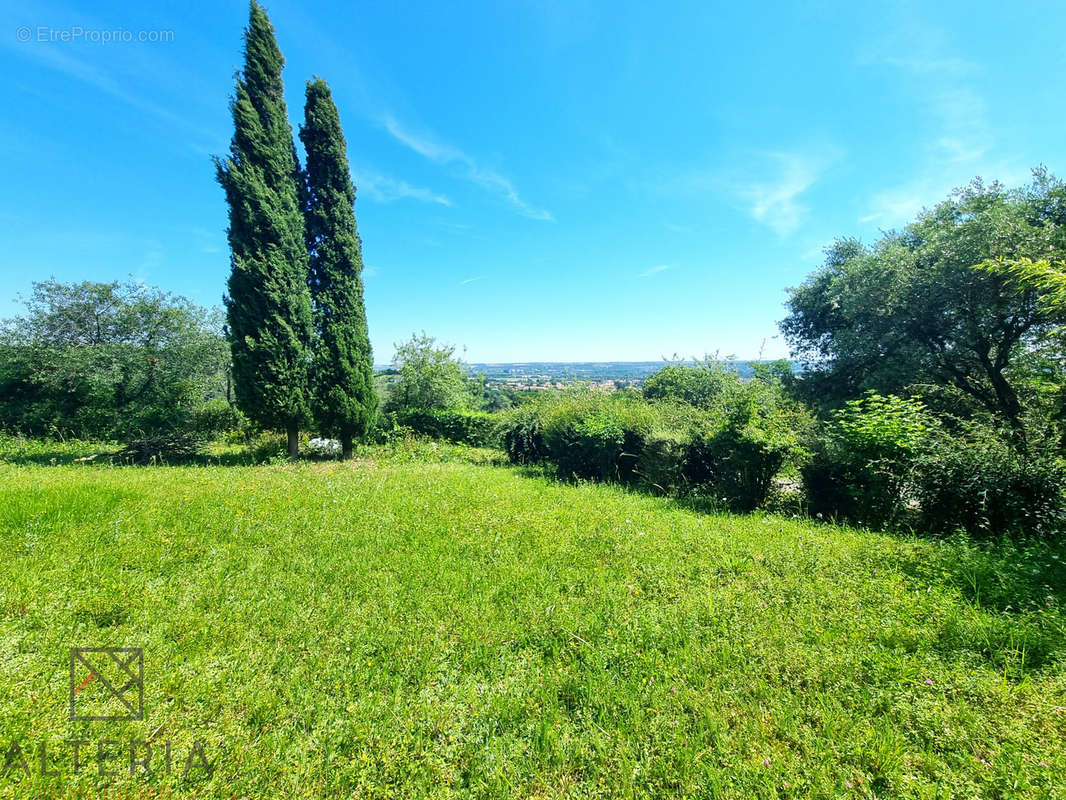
x: 430, y: 378
x: 916, y: 308
x: 344, y: 399
x: 110, y: 360
x: 1046, y: 278
x: 698, y: 384
x: 268, y: 303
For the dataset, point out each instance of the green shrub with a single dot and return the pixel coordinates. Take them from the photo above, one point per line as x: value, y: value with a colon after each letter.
x: 523, y: 436
x: 731, y: 450
x: 661, y: 464
x: 108, y: 360
x: 217, y: 417
x: 980, y: 484
x: 697, y: 385
x: 268, y: 447
x: 861, y: 464
x: 478, y: 428
x: 753, y: 431
x: 584, y: 437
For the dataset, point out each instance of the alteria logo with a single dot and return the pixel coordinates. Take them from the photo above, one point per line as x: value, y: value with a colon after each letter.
x: 106, y: 686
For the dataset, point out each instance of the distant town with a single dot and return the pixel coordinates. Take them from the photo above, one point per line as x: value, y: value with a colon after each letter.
x: 604, y: 375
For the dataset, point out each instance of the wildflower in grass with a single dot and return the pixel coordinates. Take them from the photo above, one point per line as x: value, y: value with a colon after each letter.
x: 766, y: 762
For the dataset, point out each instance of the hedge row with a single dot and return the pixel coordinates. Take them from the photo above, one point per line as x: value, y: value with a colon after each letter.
x: 730, y: 452
x: 477, y: 428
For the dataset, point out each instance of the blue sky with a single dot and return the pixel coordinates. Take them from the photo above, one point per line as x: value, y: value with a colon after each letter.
x: 536, y: 180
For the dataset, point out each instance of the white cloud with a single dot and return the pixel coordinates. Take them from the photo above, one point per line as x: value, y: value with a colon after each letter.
x: 471, y: 280
x: 963, y: 138
x: 383, y: 189
x: 654, y: 271
x: 440, y: 153
x: 776, y: 200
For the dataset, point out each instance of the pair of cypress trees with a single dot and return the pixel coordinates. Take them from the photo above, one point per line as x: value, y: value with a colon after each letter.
x: 296, y: 318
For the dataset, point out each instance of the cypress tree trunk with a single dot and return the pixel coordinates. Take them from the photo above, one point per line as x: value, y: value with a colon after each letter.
x: 268, y: 302
x: 343, y: 397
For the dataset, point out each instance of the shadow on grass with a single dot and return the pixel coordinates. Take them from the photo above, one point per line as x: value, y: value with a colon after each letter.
x: 1008, y: 574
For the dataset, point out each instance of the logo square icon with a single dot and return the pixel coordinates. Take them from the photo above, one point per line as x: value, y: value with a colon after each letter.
x: 106, y: 683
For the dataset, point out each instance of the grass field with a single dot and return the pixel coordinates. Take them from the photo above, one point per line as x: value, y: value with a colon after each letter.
x: 433, y: 625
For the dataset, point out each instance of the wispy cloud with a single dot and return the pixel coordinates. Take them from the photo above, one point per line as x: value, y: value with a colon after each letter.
x: 91, y: 75
x: 929, y: 65
x: 383, y: 189
x: 654, y: 271
x: 438, y: 152
x: 899, y: 205
x: 471, y: 280
x: 962, y: 137
x: 776, y: 199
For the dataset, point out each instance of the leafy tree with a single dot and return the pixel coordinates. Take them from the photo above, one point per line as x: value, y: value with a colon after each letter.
x: 344, y: 398
x: 268, y: 304
x: 699, y: 385
x: 430, y: 377
x: 109, y: 360
x: 914, y: 308
x: 1046, y: 278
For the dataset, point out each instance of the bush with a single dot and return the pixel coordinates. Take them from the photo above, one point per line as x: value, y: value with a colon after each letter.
x: 108, y: 360
x: 523, y: 437
x: 979, y: 484
x: 696, y: 385
x: 754, y: 430
x: 429, y: 378
x: 861, y: 464
x: 217, y: 417
x: 477, y: 428
x: 661, y: 463
x: 593, y: 436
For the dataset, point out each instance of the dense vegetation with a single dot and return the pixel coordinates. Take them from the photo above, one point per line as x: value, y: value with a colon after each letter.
x: 111, y: 360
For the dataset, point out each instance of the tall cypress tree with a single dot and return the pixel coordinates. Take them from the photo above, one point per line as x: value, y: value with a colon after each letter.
x: 343, y: 375
x: 268, y: 303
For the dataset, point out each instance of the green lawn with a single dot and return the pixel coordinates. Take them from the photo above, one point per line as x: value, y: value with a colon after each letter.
x: 439, y: 627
